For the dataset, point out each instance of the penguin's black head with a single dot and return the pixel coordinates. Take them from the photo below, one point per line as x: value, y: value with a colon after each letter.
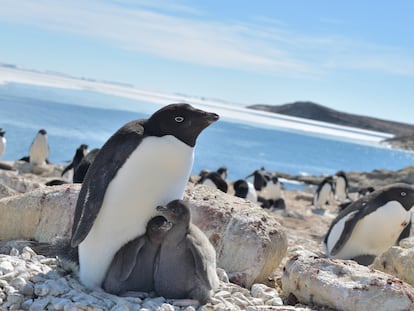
x: 241, y: 188
x: 2, y: 132
x: 42, y: 131
x: 180, y: 120
x: 158, y: 226
x: 177, y: 211
x: 403, y: 193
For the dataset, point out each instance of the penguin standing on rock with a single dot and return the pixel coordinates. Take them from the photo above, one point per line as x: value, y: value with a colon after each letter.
x: 213, y: 179
x: 146, y: 163
x: 80, y: 153
x: 324, y: 193
x: 371, y: 225
x: 39, y: 150
x: 341, y: 186
x: 2, y: 142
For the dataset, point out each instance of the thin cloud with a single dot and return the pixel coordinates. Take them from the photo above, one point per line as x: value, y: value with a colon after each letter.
x: 177, y: 32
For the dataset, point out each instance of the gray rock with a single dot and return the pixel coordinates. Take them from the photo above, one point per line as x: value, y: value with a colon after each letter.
x: 344, y: 285
x: 19, y: 183
x: 249, y: 243
x: 42, y: 214
x: 398, y: 261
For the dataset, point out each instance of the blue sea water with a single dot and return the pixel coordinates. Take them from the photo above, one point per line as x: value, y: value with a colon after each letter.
x: 73, y: 117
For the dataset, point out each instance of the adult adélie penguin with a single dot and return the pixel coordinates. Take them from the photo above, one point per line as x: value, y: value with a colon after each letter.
x: 146, y: 163
x: 372, y: 224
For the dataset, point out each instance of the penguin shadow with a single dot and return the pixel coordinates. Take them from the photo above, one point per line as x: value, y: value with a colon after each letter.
x: 173, y: 259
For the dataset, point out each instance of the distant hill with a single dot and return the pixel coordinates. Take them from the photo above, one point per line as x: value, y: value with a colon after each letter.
x: 404, y: 133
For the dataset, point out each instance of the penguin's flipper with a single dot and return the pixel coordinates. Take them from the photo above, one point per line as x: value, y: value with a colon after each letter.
x: 99, y: 175
x: 67, y: 168
x: 129, y: 257
x: 345, y: 234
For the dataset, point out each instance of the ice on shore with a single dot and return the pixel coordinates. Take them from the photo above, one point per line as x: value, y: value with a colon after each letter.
x: 227, y: 111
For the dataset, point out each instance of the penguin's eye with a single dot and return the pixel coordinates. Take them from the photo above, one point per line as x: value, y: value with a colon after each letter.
x: 179, y: 119
x: 403, y: 194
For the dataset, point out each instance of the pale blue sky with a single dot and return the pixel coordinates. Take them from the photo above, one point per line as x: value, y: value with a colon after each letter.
x: 354, y: 56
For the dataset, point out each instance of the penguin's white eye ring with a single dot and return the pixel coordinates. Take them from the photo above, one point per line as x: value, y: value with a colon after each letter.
x: 179, y: 119
x: 403, y: 194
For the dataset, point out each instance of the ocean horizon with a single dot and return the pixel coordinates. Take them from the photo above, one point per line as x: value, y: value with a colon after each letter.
x: 243, y: 140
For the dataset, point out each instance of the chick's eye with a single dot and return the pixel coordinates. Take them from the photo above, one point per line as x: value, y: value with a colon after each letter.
x: 179, y: 119
x: 403, y: 194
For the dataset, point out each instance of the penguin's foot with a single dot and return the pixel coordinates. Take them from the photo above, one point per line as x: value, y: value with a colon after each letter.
x: 184, y: 302
x: 141, y: 295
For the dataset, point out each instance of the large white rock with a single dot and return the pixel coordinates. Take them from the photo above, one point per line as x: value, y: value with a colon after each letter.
x: 19, y: 183
x: 344, y: 285
x: 250, y: 243
x: 42, y: 214
x: 398, y: 261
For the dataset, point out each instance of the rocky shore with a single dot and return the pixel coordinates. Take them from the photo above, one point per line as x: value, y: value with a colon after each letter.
x: 268, y: 260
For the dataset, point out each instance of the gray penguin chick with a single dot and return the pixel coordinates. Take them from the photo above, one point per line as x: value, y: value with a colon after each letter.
x: 185, y: 267
x: 132, y: 269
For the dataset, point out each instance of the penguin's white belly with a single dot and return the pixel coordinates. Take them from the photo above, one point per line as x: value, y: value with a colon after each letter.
x: 272, y: 191
x: 2, y: 146
x: 39, y: 150
x: 340, y: 191
x: 154, y: 174
x: 251, y: 193
x: 323, y: 196
x: 210, y: 183
x: 373, y: 234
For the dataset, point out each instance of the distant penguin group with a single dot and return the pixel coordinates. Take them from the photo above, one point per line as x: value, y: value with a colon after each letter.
x: 331, y: 188
x: 266, y: 189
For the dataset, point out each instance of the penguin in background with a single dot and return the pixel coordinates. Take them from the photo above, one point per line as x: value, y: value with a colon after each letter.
x: 372, y: 224
x: 2, y: 142
x: 146, y: 163
x: 324, y: 193
x: 80, y: 153
x: 341, y: 186
x: 223, y: 172
x: 39, y: 149
x: 214, y: 179
x: 268, y: 188
x: 79, y: 171
x: 245, y: 190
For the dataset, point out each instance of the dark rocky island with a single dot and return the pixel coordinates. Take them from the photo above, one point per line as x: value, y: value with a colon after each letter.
x: 404, y: 133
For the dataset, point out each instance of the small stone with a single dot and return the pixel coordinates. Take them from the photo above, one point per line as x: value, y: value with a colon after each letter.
x: 166, y: 307
x: 26, y: 304
x: 153, y: 303
x: 120, y: 307
x: 9, y: 289
x: 274, y: 302
x: 14, y: 252
x: 41, y: 289
x: 222, y: 275
x: 6, y: 267
x: 39, y: 304
x: 190, y: 308
x: 70, y: 306
x: 264, y: 292
x: 27, y: 289
x: 16, y: 298
x: 18, y: 283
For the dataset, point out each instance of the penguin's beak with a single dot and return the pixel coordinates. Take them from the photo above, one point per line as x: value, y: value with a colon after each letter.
x: 161, y: 208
